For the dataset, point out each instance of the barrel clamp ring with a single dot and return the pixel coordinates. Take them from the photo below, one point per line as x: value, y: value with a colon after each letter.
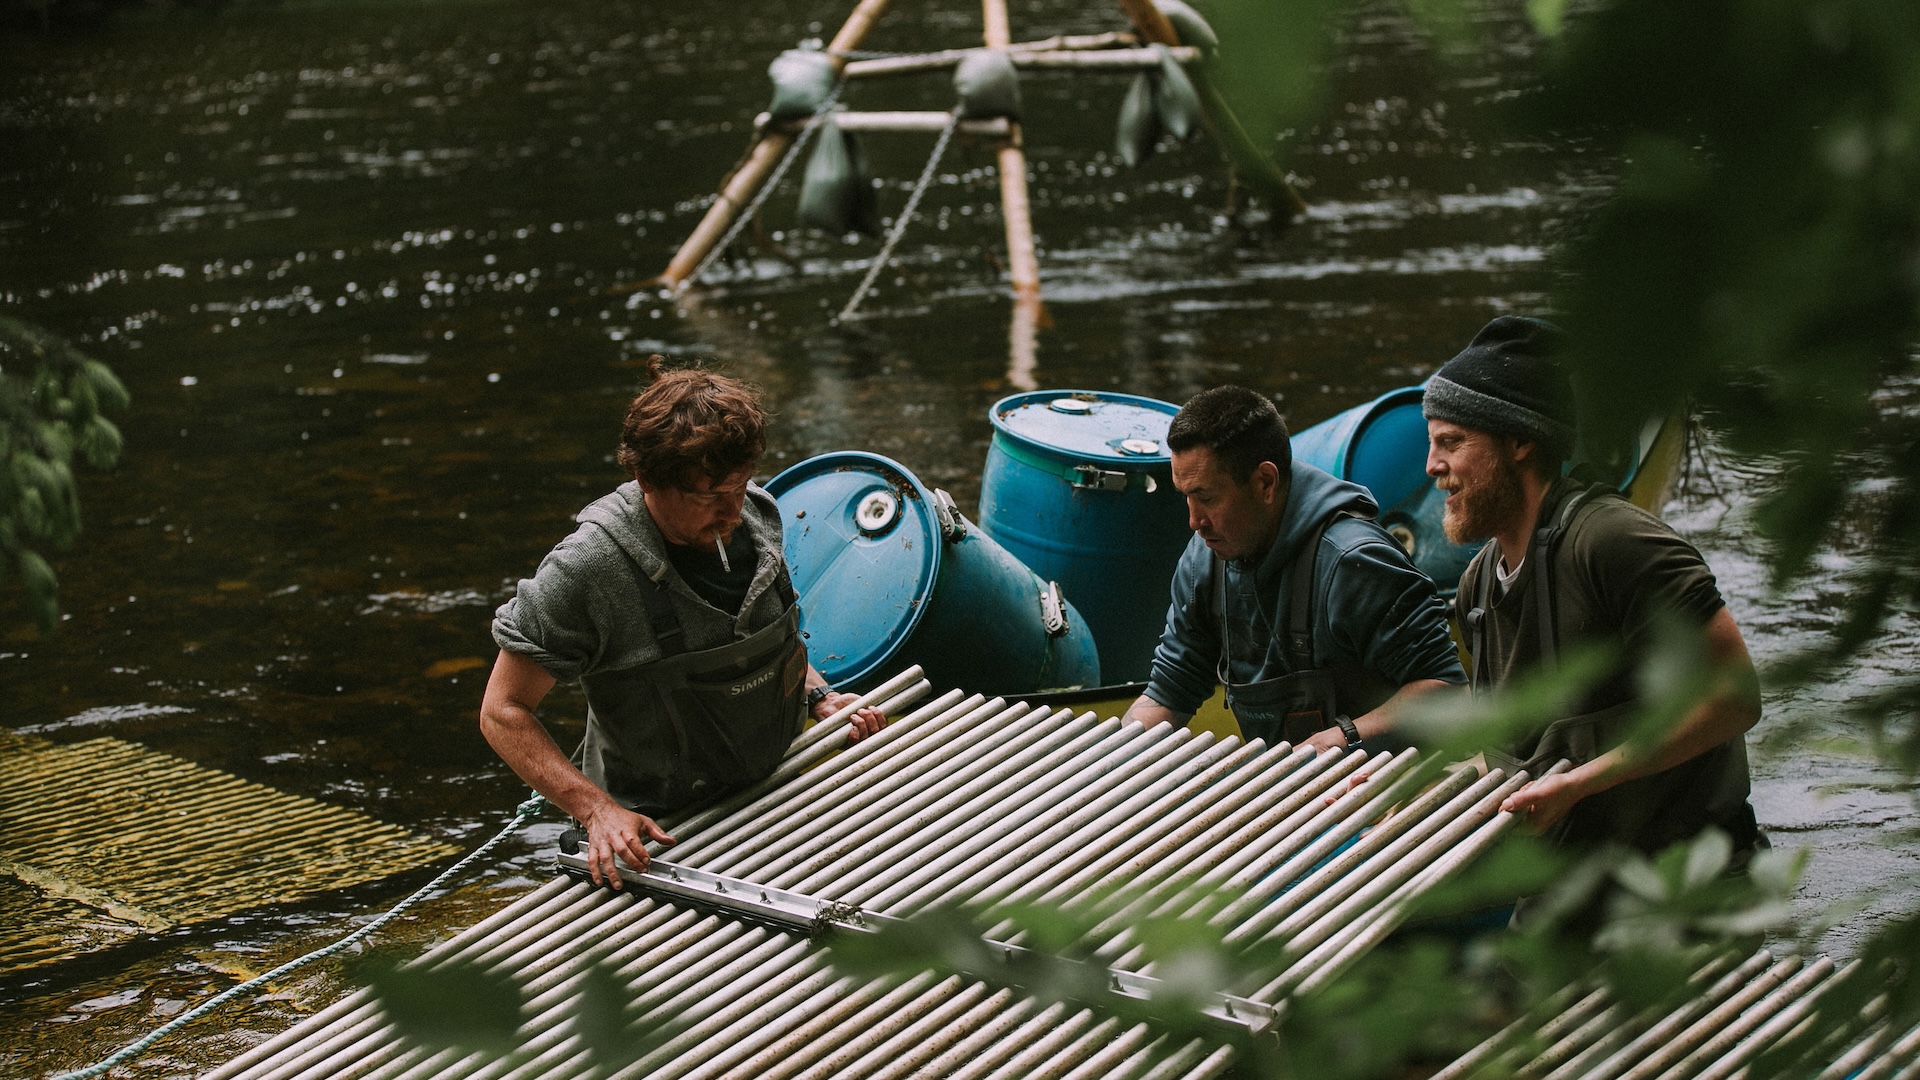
x: 1089, y: 476
x: 1053, y: 609
x: 952, y: 526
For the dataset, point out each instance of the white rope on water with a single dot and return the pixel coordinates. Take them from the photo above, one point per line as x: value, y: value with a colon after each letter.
x: 527, y: 810
x: 766, y: 190
x: 906, y: 215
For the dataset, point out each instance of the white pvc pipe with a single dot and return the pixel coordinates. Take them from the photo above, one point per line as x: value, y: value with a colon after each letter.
x: 1688, y: 1038
x: 1667, y: 1028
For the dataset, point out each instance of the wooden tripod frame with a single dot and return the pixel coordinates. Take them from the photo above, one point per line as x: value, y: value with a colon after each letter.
x: 772, y: 142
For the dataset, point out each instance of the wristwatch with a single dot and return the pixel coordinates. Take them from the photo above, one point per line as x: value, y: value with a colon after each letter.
x: 1346, y: 728
x: 817, y: 695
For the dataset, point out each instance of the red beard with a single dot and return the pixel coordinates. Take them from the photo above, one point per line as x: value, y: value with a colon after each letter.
x: 1477, y: 510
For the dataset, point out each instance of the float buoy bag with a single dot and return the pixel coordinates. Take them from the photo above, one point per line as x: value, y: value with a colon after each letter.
x: 1193, y: 29
x: 988, y: 85
x: 1174, y: 98
x: 1139, y: 130
x: 836, y: 195
x: 802, y: 82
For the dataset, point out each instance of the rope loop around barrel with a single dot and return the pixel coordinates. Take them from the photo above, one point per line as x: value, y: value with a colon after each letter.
x: 527, y: 811
x: 760, y: 197
x: 906, y: 215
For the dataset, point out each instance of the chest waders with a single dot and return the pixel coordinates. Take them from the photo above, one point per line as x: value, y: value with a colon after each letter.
x: 1650, y: 812
x: 1580, y: 738
x: 693, y: 724
x: 1294, y: 706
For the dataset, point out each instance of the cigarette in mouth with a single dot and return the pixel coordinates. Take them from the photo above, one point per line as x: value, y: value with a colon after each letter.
x: 721, y: 547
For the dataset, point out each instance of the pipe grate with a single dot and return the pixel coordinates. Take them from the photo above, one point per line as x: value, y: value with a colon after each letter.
x: 105, y: 840
x: 962, y: 799
x: 968, y: 800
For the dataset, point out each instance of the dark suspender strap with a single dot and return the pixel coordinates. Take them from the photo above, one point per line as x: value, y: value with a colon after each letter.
x: 1546, y: 543
x: 1476, y: 617
x: 783, y: 586
x: 1297, y: 641
x: 667, y: 632
x: 1299, y: 638
x: 1217, y: 589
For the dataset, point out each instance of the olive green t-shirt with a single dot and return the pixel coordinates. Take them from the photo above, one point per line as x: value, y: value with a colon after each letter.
x: 1617, y: 571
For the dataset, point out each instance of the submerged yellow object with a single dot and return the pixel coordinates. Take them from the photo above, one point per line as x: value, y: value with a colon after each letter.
x: 106, y: 839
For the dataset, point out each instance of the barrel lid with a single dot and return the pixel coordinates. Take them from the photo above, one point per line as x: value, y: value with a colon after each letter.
x: 863, y: 540
x: 1088, y: 425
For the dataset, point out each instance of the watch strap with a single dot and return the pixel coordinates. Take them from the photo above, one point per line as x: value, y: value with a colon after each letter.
x: 1348, y: 729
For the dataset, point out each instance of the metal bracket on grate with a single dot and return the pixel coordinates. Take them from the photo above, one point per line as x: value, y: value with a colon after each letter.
x: 813, y: 916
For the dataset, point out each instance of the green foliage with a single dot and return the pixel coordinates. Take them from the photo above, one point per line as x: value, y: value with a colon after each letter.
x: 1759, y: 259
x: 1402, y: 1002
x: 1427, y: 995
x: 1269, y: 64
x: 51, y: 402
x: 458, y: 1005
x: 463, y: 1006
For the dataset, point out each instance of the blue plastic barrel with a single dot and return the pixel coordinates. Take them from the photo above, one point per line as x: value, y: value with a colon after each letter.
x: 1382, y: 446
x: 891, y: 574
x: 1078, y: 486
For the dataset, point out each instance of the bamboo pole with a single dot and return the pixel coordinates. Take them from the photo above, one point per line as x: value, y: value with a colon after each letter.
x: 1023, y: 266
x: 930, y: 122
x: 768, y: 148
x: 1256, y: 165
x: 1109, y: 58
x: 1148, y: 20
x: 1023, y: 344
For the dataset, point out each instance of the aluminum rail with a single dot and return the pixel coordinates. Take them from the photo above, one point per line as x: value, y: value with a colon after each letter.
x: 961, y: 800
x: 812, y: 916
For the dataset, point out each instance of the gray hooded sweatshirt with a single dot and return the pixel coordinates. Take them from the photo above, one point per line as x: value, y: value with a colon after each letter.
x: 582, y: 615
x: 1372, y: 609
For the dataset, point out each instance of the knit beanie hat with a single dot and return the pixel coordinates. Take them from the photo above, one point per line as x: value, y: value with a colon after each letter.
x: 1507, y: 382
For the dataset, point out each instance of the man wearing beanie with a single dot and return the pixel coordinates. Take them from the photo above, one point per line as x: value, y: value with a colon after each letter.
x: 1569, y: 563
x: 1288, y: 593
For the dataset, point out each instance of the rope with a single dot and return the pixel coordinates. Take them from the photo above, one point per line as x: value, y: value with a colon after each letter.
x: 906, y: 215
x: 529, y: 809
x: 760, y: 197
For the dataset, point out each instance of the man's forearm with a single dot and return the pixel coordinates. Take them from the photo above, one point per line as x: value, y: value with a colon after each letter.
x: 1383, y: 718
x: 1147, y: 712
x: 1726, y: 714
x: 517, y: 735
x: 1713, y: 722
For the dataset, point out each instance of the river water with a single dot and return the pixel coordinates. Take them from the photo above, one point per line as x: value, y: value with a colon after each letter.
x: 365, y: 268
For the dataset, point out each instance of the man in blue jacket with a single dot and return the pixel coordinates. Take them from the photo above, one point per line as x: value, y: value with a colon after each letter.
x: 1288, y: 594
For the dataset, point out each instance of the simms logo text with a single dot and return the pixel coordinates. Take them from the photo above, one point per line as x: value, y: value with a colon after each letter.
x: 754, y: 683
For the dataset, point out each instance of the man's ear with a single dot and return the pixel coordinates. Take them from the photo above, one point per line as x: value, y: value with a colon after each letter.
x: 1523, y: 451
x: 1266, y: 481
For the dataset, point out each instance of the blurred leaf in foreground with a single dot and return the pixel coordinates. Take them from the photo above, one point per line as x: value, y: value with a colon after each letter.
x: 457, y: 1004
x: 51, y: 401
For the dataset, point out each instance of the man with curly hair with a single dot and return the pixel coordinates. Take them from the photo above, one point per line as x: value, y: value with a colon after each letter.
x: 671, y: 605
